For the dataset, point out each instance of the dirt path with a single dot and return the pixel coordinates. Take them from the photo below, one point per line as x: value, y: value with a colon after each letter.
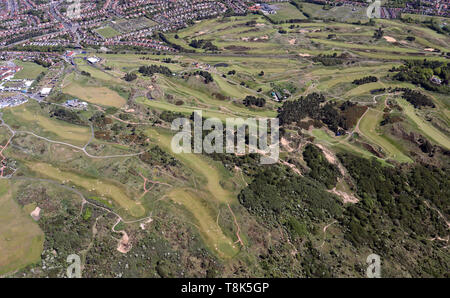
x: 325, y: 228
x: 237, y: 226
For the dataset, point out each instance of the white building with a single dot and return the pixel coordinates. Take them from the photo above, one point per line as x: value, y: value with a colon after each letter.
x: 93, y: 60
x: 45, y: 91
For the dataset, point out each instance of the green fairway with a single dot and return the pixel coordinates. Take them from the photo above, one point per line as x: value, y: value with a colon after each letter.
x: 369, y: 126
x: 426, y: 128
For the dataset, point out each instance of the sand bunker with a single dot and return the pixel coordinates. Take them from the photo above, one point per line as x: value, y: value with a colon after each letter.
x: 389, y: 39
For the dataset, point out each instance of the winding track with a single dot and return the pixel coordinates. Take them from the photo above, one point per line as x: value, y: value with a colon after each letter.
x: 83, y: 149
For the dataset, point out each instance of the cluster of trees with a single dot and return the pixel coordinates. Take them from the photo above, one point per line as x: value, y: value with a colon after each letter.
x: 365, y: 80
x: 378, y: 33
x: 417, y: 99
x: 169, y: 116
x: 420, y: 72
x: 296, y: 110
x: 66, y: 115
x: 131, y: 76
x: 152, y: 69
x: 337, y: 119
x: 155, y: 156
x: 203, y: 44
x: 206, y: 75
x: 42, y: 62
x: 254, y: 101
x: 331, y: 60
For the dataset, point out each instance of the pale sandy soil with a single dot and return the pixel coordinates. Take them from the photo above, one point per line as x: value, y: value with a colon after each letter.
x: 292, y: 41
x: 346, y: 197
x: 144, y: 224
x: 35, y: 213
x: 389, y: 39
x: 304, y: 55
x: 124, y: 243
x: 285, y: 143
x: 429, y: 49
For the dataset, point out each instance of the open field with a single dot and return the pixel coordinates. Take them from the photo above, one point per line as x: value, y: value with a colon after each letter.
x: 99, y: 186
x: 341, y: 13
x: 30, y: 70
x: 78, y: 135
x: 107, y: 32
x: 286, y: 11
x: 21, y: 239
x: 97, y: 95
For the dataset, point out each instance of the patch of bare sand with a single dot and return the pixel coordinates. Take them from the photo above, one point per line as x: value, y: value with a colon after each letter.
x: 124, y: 243
x: 389, y: 39
x: 328, y: 155
x: 35, y: 214
x: 346, y: 197
x: 292, y: 41
x: 286, y: 144
x: 144, y: 224
x: 304, y: 55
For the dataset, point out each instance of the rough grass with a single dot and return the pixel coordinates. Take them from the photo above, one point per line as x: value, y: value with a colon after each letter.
x: 21, y: 239
x: 426, y: 128
x: 286, y: 11
x: 205, y: 222
x: 99, y: 186
x: 78, y: 135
